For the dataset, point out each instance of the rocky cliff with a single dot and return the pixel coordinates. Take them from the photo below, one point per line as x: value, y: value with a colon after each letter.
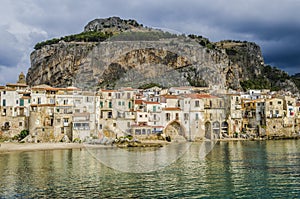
x: 129, y: 54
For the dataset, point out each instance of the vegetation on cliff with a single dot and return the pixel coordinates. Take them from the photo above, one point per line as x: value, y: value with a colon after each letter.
x: 270, y: 78
x: 91, y: 36
x: 296, y: 79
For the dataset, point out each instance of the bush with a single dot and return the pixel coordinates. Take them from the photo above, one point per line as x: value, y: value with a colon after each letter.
x: 22, y: 135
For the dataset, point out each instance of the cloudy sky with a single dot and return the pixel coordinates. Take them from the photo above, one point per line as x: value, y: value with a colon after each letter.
x: 273, y: 24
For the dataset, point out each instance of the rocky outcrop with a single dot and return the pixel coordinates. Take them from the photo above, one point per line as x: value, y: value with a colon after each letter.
x: 112, y: 24
x: 135, y: 56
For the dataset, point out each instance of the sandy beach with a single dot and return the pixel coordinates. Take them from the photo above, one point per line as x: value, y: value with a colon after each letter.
x: 9, y: 147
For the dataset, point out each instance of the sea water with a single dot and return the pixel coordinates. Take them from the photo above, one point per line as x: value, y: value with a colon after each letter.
x: 234, y: 169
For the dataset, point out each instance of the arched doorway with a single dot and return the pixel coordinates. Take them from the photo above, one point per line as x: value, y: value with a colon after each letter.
x: 216, y: 130
x: 175, y: 130
x: 207, y: 130
x: 224, y: 129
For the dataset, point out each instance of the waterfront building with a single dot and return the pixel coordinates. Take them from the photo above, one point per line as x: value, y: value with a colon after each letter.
x: 14, y: 107
x: 235, y: 114
x: 191, y: 113
x: 42, y: 108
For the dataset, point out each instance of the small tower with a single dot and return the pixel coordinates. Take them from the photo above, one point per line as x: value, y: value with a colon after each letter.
x: 22, y: 79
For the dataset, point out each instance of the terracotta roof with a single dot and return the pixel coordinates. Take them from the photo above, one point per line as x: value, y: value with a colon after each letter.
x: 171, y: 109
x: 138, y: 101
x: 148, y: 102
x: 200, y: 96
x: 170, y: 96
x: 127, y: 89
x: 44, y: 87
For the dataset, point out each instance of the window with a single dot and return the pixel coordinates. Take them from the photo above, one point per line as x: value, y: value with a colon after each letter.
x: 4, y: 102
x: 119, y: 103
x: 128, y: 124
x: 197, y: 103
x: 20, y: 123
x: 21, y: 102
x: 39, y: 100
x: 114, y: 124
x: 186, y: 116
x: 4, y: 92
x: 100, y: 126
x: 197, y: 116
x: 279, y: 102
x: 123, y: 103
x: 109, y: 94
x: 17, y: 101
x: 28, y: 101
x: 109, y: 105
x: 168, y: 116
x: 271, y: 103
x: 65, y: 102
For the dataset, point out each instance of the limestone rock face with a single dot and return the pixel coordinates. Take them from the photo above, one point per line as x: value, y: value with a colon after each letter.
x: 246, y: 61
x: 141, y: 59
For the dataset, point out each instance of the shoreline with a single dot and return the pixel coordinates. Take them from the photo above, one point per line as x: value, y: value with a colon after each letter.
x: 22, y: 147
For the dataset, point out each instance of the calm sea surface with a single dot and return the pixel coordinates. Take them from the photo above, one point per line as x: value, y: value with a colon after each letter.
x: 253, y: 169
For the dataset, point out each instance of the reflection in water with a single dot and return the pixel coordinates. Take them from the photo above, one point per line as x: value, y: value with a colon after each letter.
x: 231, y: 170
x: 140, y: 160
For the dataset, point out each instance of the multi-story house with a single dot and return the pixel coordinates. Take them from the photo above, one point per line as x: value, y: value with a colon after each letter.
x: 216, y: 125
x: 235, y: 113
x: 14, y: 107
x: 274, y: 117
x: 254, y: 116
x: 42, y: 107
x: 152, y: 94
x: 64, y: 110
x: 84, y: 115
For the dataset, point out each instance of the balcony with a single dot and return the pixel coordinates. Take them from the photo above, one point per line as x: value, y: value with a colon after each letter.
x: 66, y: 124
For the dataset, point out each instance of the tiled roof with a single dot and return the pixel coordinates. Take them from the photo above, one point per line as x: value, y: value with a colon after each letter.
x: 200, y: 96
x: 171, y: 109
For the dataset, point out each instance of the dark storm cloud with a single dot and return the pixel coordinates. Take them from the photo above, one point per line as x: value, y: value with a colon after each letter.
x: 274, y: 25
